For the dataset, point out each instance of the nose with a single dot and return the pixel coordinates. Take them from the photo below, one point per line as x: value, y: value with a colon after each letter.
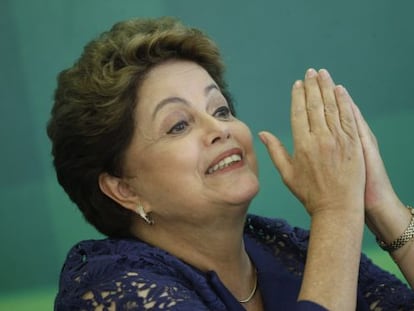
x: 216, y: 131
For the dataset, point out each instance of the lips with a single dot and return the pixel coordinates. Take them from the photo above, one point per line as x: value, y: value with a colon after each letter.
x: 225, y: 160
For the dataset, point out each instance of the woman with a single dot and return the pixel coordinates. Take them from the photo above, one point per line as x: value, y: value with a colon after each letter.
x: 146, y: 143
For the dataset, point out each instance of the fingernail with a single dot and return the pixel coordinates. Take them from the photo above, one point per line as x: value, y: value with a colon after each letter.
x: 324, y: 74
x: 297, y: 84
x: 311, y: 73
x: 263, y: 137
x: 341, y: 89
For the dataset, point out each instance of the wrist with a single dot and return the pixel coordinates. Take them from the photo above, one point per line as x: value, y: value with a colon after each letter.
x: 341, y: 224
x: 389, y: 222
x: 406, y: 236
x: 341, y: 212
x: 333, y: 254
x: 376, y: 207
x: 345, y: 206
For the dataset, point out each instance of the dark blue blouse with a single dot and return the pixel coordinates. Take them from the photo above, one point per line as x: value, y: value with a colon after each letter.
x: 131, y: 275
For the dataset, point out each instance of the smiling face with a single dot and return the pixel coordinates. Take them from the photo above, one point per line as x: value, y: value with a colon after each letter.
x: 190, y: 158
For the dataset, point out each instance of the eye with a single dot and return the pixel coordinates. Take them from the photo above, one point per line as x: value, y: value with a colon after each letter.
x: 178, y: 128
x: 223, y: 113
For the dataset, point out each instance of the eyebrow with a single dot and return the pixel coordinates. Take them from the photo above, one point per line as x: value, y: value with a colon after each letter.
x: 180, y: 100
x: 210, y: 87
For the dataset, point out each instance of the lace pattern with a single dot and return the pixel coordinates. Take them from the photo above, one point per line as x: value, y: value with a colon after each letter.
x: 112, y: 274
x: 381, y: 290
x: 127, y: 275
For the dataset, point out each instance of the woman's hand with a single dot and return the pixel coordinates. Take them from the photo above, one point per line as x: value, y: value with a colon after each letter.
x: 327, y: 166
x: 386, y: 215
x: 327, y: 174
x: 379, y: 192
x: 381, y: 202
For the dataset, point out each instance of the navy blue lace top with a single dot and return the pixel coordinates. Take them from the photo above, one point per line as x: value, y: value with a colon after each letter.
x: 128, y: 274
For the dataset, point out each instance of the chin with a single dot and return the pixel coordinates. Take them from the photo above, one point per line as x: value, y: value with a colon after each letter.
x: 245, y: 192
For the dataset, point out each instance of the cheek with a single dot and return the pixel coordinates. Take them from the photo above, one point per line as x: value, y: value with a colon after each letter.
x: 252, y: 160
x: 164, y: 168
x: 253, y: 163
x: 246, y: 139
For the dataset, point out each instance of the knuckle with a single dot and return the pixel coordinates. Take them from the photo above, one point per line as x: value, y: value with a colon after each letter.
x: 331, y: 108
x: 312, y: 105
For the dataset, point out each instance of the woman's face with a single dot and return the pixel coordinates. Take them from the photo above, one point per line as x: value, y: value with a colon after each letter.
x: 189, y: 157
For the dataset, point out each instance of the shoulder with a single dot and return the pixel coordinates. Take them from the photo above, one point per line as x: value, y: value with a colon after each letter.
x: 120, y: 273
x: 104, y: 258
x: 108, y: 257
x: 117, y: 252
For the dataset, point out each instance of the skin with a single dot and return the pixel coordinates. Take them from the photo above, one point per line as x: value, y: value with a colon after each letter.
x: 386, y: 216
x: 182, y: 129
x: 326, y: 145
x: 332, y: 139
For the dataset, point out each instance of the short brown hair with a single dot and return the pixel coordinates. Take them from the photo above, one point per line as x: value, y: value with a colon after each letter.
x: 92, y: 120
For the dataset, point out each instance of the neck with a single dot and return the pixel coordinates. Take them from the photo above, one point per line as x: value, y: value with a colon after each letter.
x: 209, y: 246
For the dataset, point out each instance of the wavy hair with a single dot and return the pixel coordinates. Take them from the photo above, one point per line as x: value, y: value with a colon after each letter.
x: 92, y: 119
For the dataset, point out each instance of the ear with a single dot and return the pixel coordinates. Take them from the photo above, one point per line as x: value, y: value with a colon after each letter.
x: 119, y: 191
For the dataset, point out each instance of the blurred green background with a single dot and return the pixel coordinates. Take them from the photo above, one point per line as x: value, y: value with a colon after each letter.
x: 367, y: 46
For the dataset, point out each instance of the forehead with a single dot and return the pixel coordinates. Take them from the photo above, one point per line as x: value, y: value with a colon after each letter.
x: 174, y: 78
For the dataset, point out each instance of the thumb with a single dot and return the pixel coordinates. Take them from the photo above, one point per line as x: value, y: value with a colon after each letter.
x: 278, y: 153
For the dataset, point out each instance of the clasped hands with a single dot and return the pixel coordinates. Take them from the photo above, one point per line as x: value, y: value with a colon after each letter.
x: 336, y: 158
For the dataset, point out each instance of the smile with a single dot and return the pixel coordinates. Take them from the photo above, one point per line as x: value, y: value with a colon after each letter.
x: 226, y: 162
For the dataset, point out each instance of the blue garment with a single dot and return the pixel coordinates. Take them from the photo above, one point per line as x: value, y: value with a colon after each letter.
x: 132, y: 275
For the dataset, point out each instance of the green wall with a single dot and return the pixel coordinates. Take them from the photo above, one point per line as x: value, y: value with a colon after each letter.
x: 367, y: 46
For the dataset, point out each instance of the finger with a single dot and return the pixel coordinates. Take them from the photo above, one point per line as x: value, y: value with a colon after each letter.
x: 364, y: 131
x: 278, y: 154
x: 314, y: 103
x: 331, y: 110
x: 299, y: 116
x: 346, y: 114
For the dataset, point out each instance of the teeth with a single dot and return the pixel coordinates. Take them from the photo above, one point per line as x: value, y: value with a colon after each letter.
x: 224, y: 163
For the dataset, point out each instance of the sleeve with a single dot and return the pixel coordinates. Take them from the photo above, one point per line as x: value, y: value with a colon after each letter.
x: 382, y: 290
x: 127, y: 291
